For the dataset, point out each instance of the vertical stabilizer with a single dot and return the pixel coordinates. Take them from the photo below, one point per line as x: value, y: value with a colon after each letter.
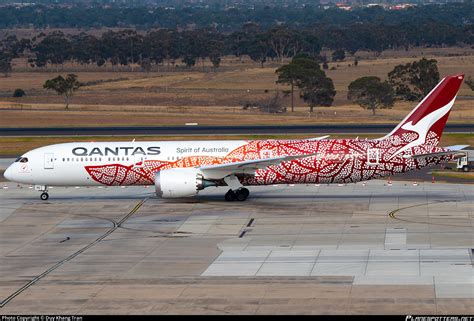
x: 428, y: 119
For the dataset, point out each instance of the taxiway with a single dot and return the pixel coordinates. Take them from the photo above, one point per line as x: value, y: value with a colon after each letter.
x: 370, y: 248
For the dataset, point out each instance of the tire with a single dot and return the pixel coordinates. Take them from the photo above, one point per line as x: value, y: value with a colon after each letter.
x: 44, y: 196
x: 241, y: 196
x: 245, y: 191
x: 465, y: 168
x: 229, y: 196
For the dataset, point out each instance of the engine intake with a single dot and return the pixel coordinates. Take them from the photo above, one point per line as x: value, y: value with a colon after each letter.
x: 180, y: 182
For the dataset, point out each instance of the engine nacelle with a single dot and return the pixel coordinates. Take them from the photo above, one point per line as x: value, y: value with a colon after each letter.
x: 179, y: 182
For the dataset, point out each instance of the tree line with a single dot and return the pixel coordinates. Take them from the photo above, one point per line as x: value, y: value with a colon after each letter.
x: 189, y: 47
x: 224, y: 18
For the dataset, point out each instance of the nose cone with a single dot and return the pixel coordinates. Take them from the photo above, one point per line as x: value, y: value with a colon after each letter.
x: 8, y: 173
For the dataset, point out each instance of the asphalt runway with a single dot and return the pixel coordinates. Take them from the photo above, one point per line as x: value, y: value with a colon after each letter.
x: 369, y: 248
x: 218, y: 130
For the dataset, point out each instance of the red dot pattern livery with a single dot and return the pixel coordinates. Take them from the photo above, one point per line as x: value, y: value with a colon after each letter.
x: 336, y: 161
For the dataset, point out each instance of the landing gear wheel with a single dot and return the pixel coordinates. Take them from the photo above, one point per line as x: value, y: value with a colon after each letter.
x: 242, y: 194
x: 229, y: 196
x: 44, y: 196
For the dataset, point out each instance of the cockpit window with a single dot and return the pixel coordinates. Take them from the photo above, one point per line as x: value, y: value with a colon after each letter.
x: 24, y: 160
x: 18, y: 159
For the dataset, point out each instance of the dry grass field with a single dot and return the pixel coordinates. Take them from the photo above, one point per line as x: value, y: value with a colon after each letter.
x: 210, y: 98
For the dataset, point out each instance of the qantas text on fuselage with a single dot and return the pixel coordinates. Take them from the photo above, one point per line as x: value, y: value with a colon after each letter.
x: 116, y: 151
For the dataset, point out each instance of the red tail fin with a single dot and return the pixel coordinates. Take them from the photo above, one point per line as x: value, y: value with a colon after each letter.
x: 428, y: 119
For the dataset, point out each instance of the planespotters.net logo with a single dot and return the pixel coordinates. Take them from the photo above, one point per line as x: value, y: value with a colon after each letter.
x: 439, y: 318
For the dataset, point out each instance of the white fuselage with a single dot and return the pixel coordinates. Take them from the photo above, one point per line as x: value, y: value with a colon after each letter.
x: 64, y: 164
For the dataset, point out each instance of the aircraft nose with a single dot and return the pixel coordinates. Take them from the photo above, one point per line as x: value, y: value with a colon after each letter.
x: 8, y: 173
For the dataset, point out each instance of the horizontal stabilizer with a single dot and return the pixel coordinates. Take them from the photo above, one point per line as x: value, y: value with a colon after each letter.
x: 456, y: 147
x: 456, y: 153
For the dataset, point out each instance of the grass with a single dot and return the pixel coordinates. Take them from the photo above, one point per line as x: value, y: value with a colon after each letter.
x: 15, y: 146
x: 454, y: 174
x: 47, y: 115
x: 212, y: 98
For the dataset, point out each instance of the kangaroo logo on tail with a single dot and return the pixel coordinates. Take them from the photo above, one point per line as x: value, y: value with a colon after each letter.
x: 430, y: 115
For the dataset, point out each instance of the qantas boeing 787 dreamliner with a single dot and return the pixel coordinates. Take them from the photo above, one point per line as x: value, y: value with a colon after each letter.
x: 183, y: 168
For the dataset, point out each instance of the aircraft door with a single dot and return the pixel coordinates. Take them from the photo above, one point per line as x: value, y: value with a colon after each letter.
x: 48, y: 160
x: 373, y: 156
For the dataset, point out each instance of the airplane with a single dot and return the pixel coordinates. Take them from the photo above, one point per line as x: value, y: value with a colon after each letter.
x: 183, y: 168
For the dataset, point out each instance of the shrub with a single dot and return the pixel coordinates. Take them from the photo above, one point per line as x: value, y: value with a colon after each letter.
x: 19, y: 93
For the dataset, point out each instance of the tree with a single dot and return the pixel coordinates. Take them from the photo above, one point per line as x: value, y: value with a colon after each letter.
x: 145, y: 63
x: 19, y: 93
x: 55, y: 48
x: 10, y: 47
x: 290, y: 74
x: 316, y: 88
x: 215, y: 59
x: 189, y: 60
x: 415, y: 80
x: 470, y: 82
x: 63, y: 86
x: 5, y: 66
x: 283, y: 42
x: 370, y: 93
x: 295, y: 72
x: 338, y: 55
x: 258, y: 49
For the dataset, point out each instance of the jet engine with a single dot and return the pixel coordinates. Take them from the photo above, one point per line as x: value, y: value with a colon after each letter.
x: 180, y: 182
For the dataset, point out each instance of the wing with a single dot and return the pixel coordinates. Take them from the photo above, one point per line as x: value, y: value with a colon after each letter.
x: 319, y: 138
x: 251, y: 165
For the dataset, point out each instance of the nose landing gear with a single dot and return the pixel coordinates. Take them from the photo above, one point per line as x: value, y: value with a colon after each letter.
x: 44, y: 189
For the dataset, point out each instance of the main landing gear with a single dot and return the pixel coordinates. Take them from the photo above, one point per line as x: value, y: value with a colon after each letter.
x: 236, y: 192
x: 44, y: 196
x: 238, y: 195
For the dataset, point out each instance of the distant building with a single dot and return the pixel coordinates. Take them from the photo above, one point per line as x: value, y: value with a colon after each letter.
x: 402, y: 6
x: 344, y: 6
